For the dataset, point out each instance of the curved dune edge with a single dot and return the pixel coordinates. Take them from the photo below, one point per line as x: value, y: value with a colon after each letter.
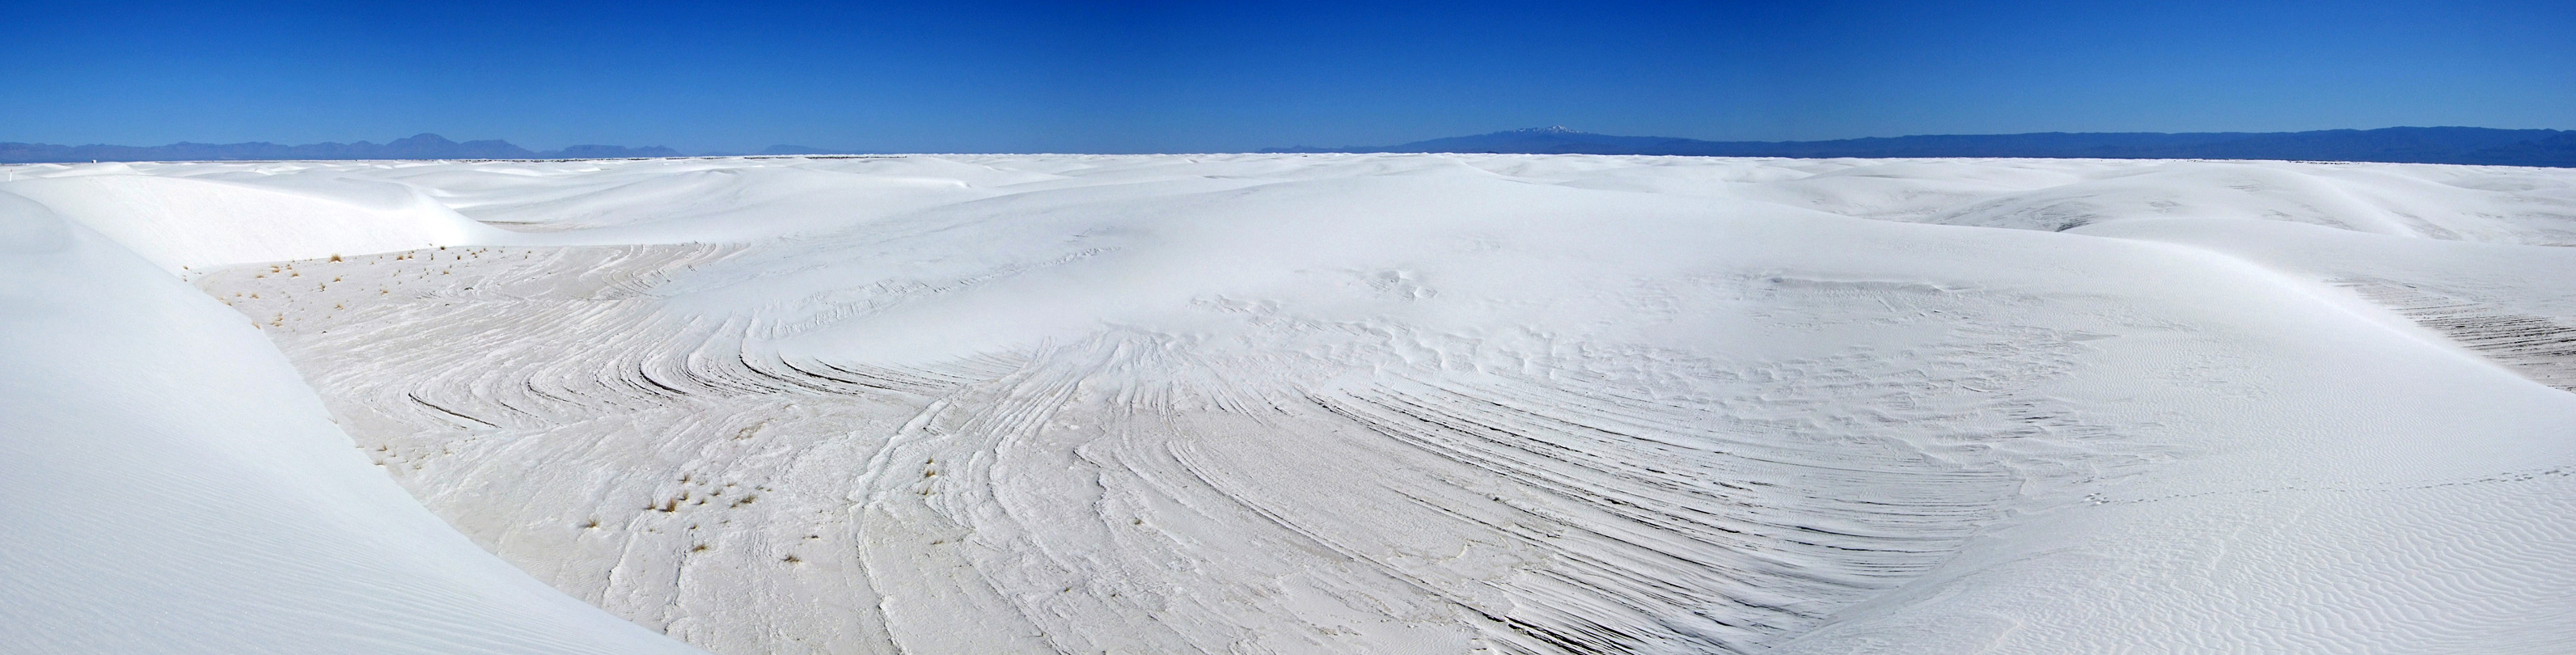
x: 181, y: 491
x: 1446, y: 403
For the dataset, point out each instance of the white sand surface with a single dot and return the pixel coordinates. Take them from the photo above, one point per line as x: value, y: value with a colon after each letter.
x: 1300, y: 404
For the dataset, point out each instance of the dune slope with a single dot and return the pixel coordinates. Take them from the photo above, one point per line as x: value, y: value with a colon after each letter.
x: 1435, y: 403
x: 178, y: 490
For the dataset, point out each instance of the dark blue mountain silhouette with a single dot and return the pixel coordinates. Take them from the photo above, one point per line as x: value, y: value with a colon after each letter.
x: 2425, y: 145
x: 2429, y: 145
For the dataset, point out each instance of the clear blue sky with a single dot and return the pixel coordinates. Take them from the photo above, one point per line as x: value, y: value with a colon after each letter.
x: 1182, y: 77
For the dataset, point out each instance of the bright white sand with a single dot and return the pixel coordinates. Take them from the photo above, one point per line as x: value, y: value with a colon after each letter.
x: 1282, y: 403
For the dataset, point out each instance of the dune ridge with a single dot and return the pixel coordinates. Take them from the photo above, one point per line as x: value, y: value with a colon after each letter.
x: 1440, y: 403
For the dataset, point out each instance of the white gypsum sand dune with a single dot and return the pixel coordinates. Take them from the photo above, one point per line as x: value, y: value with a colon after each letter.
x: 175, y: 489
x: 1439, y: 403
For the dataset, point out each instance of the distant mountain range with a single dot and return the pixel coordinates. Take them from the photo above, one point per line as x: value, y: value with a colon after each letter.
x: 2423, y: 145
x: 425, y: 146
